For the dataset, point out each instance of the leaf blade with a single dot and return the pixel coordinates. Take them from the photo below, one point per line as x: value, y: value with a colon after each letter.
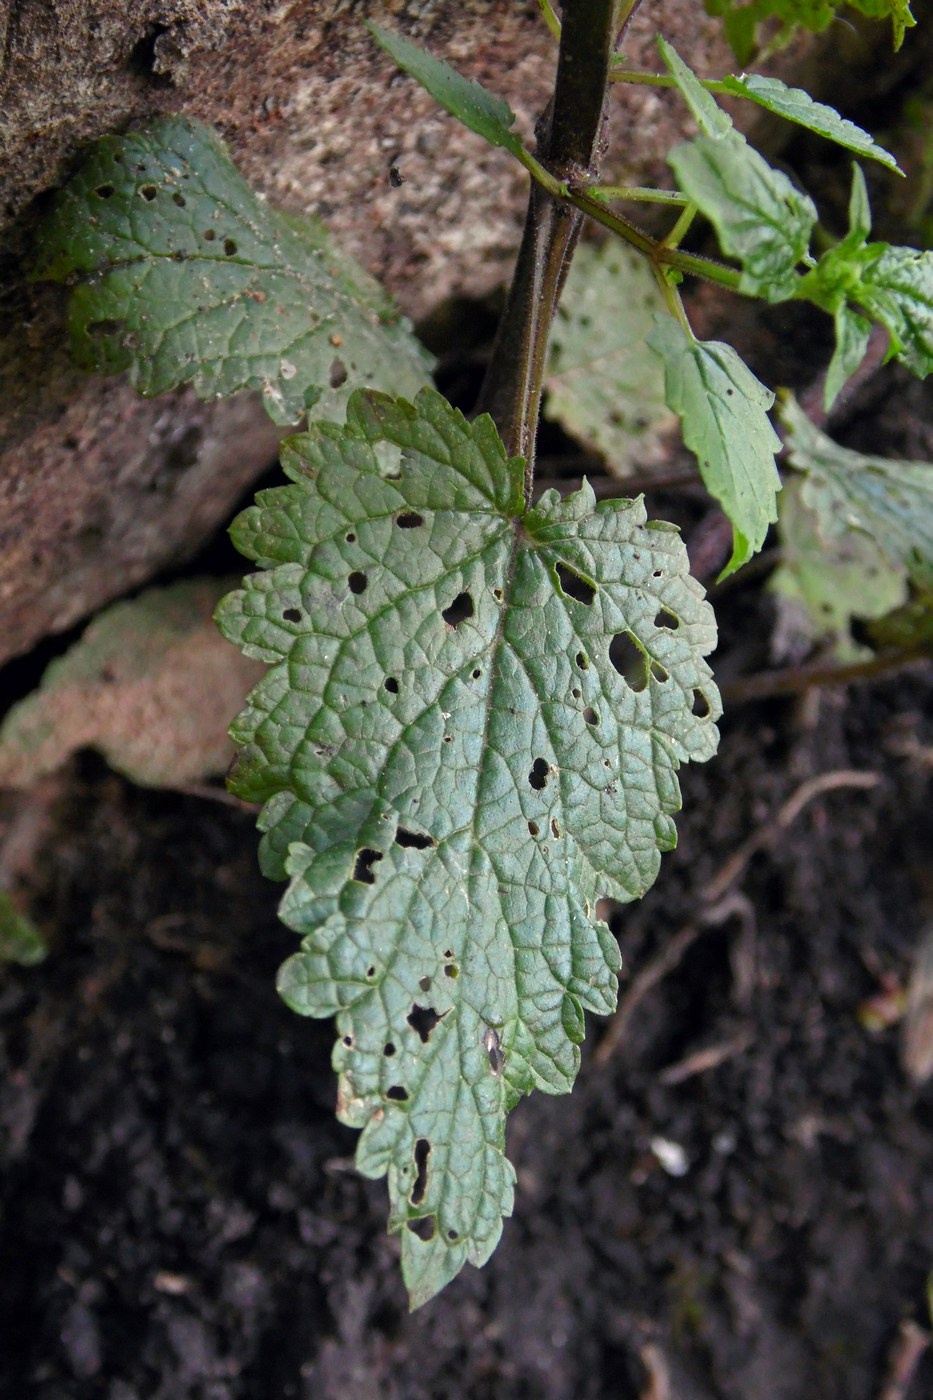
x: 455, y: 769
x: 464, y: 98
x: 723, y: 411
x: 184, y: 275
x: 797, y: 106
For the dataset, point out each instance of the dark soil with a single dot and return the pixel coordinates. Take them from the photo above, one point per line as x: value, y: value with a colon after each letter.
x: 179, y: 1214
x: 181, y: 1217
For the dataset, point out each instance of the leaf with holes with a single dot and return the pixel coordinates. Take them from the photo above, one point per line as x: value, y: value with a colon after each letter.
x: 888, y: 500
x: 183, y: 275
x: 469, y: 734
x: 601, y: 386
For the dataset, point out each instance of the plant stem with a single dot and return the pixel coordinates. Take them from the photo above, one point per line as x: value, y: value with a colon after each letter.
x: 663, y: 80
x: 569, y: 150
x: 667, y: 257
x: 607, y: 193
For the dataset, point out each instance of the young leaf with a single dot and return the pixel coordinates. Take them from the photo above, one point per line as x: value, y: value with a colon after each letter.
x: 897, y: 289
x: 761, y: 218
x: 184, y: 275
x: 468, y: 735
x: 464, y: 98
x: 828, y: 580
x: 20, y: 940
x: 601, y: 385
x: 852, y: 333
x: 723, y: 411
x: 796, y: 105
x: 741, y: 18
x: 890, y: 501
x: 706, y: 111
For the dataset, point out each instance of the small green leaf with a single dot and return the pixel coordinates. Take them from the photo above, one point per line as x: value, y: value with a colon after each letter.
x: 896, y: 289
x: 852, y: 333
x: 741, y: 19
x: 601, y: 385
x: 20, y: 940
x: 761, y: 218
x: 706, y: 111
x: 859, y: 210
x: 723, y: 411
x: 830, y: 579
x: 464, y: 98
x: 796, y: 105
x: 183, y: 275
x: 890, y: 501
x: 469, y: 733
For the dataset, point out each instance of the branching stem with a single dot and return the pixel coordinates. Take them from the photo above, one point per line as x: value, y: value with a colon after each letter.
x: 569, y: 150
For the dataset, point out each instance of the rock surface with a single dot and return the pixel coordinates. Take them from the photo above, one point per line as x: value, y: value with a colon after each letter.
x: 98, y: 490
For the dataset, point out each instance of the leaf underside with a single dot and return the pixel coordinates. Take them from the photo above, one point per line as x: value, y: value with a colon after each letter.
x: 888, y: 500
x: 469, y: 733
x: 183, y: 275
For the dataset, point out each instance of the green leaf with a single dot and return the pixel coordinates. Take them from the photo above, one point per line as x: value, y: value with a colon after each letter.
x: 796, y: 105
x: 705, y: 110
x: 852, y: 333
x: 896, y: 289
x: 601, y: 385
x: 20, y: 940
x: 469, y: 734
x: 150, y: 685
x: 894, y: 285
x: 890, y: 501
x: 464, y: 98
x: 723, y: 411
x: 826, y: 580
x: 183, y: 275
x: 761, y: 218
x: 742, y: 18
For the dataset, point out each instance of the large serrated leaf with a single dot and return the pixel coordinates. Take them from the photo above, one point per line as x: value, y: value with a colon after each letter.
x: 183, y: 275
x: 723, y: 411
x: 888, y: 500
x: 600, y: 383
x: 468, y: 735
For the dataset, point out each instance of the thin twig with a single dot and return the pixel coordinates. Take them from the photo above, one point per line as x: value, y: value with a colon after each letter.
x: 794, y: 680
x: 709, y: 1057
x: 910, y: 1344
x: 716, y: 899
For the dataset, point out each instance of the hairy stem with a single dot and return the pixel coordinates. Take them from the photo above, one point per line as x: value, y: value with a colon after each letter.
x: 569, y: 148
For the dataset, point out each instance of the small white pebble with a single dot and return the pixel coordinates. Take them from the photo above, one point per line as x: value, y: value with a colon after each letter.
x: 671, y: 1155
